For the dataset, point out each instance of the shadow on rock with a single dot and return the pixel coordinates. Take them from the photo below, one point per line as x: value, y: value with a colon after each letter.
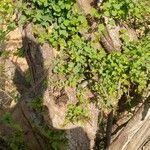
x: 28, y: 112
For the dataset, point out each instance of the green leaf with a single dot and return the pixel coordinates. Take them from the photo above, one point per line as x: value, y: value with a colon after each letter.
x: 101, y: 28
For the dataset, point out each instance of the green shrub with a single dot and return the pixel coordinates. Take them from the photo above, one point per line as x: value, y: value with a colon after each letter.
x: 108, y: 76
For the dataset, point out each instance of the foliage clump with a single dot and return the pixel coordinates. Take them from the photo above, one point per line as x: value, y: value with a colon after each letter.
x: 109, y: 76
x: 132, y: 11
x: 121, y: 71
x: 56, y: 139
x: 64, y: 26
x: 6, y: 18
x: 15, y: 140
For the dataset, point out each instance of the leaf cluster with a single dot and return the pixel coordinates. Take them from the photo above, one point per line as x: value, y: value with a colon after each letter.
x: 56, y: 138
x: 126, y: 10
x: 109, y: 76
x: 15, y: 139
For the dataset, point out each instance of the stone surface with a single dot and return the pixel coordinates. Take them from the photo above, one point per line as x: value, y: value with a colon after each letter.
x: 80, y: 136
x: 55, y: 114
x: 85, y: 5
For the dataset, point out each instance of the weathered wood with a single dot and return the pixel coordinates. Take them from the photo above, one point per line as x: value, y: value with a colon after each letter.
x: 136, y: 132
x: 109, y: 128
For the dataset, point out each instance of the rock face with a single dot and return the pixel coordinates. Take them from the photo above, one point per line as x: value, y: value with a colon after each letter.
x: 8, y: 64
x: 80, y: 136
x: 39, y: 59
x: 85, y: 5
